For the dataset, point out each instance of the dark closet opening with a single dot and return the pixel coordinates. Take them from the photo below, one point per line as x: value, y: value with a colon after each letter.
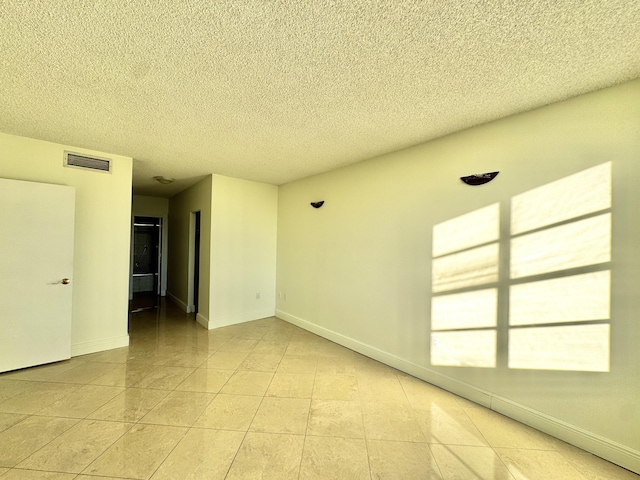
x: 196, y: 262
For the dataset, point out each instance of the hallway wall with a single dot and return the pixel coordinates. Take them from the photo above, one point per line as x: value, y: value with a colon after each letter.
x: 238, y: 249
x: 193, y: 199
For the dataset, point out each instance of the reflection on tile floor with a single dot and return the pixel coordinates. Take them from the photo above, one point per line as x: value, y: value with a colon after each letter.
x: 260, y: 400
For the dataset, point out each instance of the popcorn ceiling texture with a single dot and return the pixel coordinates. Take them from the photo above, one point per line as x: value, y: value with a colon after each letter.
x: 274, y: 91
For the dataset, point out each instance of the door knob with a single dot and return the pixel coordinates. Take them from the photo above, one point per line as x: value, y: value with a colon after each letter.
x: 65, y: 281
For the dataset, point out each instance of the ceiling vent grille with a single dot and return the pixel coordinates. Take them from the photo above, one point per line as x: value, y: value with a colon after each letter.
x: 84, y: 161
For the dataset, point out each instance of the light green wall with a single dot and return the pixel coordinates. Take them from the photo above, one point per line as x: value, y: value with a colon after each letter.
x: 193, y: 199
x: 102, y: 235
x: 238, y: 249
x: 243, y: 250
x: 358, y: 270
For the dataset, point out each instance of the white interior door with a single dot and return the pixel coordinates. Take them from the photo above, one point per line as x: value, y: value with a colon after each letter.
x: 36, y: 256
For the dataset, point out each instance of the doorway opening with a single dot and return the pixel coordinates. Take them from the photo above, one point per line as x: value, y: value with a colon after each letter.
x: 194, y: 262
x: 147, y: 237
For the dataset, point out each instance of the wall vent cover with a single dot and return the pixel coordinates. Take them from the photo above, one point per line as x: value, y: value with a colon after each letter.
x: 85, y: 161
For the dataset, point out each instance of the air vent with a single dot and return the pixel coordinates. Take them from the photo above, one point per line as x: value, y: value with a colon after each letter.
x: 84, y: 161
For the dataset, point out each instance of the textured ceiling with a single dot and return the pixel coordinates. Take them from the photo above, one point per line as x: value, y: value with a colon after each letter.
x: 274, y: 91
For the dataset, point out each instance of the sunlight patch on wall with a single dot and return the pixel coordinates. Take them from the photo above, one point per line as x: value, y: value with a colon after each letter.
x: 570, y: 197
x: 465, y: 348
x: 478, y: 266
x: 468, y: 230
x: 577, y: 244
x: 475, y: 309
x: 575, y: 348
x: 467, y: 262
x: 566, y: 299
x: 560, y: 246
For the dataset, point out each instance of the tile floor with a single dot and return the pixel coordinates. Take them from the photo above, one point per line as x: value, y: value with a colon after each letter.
x: 261, y: 400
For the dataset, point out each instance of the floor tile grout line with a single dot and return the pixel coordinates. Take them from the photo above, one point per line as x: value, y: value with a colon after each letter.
x: 69, y: 429
x: 364, y: 429
x: 43, y: 446
x: 106, y: 449
x: 306, y: 430
x: 246, y: 432
x: 170, y: 452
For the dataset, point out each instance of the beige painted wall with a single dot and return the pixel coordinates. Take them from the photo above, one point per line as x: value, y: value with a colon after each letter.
x: 238, y: 249
x: 146, y: 206
x: 243, y: 250
x: 181, y: 206
x: 358, y: 270
x: 102, y: 235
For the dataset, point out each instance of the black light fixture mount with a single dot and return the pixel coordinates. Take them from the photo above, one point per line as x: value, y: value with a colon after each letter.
x: 163, y: 180
x: 317, y: 204
x: 479, y: 178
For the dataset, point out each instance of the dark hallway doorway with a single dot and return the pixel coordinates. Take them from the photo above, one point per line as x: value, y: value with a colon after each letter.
x: 196, y: 262
x: 147, y: 234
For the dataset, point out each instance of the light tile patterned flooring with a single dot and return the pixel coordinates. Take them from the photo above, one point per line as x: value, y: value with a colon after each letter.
x: 261, y: 400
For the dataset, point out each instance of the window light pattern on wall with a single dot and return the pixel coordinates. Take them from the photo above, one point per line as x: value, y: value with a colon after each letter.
x: 463, y: 309
x: 558, y: 280
x: 561, y: 247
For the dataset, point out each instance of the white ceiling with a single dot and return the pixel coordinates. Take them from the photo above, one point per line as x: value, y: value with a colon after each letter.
x: 277, y: 90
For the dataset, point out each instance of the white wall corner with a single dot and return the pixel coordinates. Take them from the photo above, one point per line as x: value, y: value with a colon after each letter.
x: 202, y: 320
x: 591, y: 442
x: 94, y: 346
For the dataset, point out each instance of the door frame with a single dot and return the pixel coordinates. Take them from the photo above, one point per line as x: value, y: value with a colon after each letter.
x: 192, y: 295
x: 138, y: 221
x: 164, y: 242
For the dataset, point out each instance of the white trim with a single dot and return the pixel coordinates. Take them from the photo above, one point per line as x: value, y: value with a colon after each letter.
x: 594, y: 443
x: 450, y: 384
x: 101, y: 345
x: 202, y: 320
x: 241, y: 318
x: 183, y: 306
x: 591, y: 442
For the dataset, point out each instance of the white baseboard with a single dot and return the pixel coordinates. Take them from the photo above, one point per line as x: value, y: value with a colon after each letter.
x: 202, y: 320
x: 101, y: 345
x: 240, y: 318
x: 183, y: 306
x: 591, y: 442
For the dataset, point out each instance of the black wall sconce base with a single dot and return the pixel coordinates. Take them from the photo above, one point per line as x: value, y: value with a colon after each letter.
x: 479, y: 178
